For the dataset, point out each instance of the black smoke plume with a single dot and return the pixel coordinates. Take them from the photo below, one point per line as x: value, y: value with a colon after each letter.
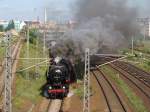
x: 104, y: 26
x: 107, y: 23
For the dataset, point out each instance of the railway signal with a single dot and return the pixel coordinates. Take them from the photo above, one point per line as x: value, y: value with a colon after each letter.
x: 86, y: 100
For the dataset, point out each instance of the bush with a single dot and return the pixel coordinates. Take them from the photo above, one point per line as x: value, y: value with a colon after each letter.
x: 79, y: 68
x: 1, y: 28
x: 148, y: 63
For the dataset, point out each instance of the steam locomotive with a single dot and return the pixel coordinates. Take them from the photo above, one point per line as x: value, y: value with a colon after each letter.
x: 59, y: 76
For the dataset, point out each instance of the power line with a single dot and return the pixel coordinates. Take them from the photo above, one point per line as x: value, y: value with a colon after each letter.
x: 33, y: 66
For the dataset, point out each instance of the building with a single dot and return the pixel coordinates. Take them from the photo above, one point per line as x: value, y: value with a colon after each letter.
x: 32, y: 24
x: 147, y: 29
x: 72, y: 24
x: 145, y: 25
x: 18, y: 24
x: 4, y: 23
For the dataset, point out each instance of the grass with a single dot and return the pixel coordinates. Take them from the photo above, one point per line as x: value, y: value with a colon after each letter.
x: 2, y: 51
x: 143, y: 46
x: 146, y: 47
x: 28, y: 91
x: 141, y: 58
x: 136, y: 102
x: 80, y: 91
x: 144, y: 60
x: 139, y: 62
x: 145, y: 65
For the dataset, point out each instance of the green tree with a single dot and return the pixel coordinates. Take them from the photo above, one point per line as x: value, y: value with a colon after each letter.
x: 10, y: 26
x: 33, y: 33
x: 1, y: 28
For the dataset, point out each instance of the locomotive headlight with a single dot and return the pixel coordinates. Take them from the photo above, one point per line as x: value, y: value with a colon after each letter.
x: 64, y: 87
x: 50, y: 87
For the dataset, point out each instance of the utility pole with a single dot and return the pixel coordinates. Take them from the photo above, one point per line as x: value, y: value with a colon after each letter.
x: 44, y: 39
x: 45, y: 16
x: 86, y: 100
x: 144, y: 31
x: 132, y: 45
x: 8, y: 76
x: 28, y: 39
x: 37, y: 61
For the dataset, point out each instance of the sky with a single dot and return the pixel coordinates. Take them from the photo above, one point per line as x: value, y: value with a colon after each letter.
x: 30, y: 9
x: 57, y: 9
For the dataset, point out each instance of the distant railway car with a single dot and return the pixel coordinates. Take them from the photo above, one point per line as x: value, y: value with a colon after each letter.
x: 59, y: 76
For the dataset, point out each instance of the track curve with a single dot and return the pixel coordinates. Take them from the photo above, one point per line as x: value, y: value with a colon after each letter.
x: 113, y: 99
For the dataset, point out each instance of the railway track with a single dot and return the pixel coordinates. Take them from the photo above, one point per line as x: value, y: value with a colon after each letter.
x: 139, y: 74
x: 48, y: 106
x: 114, y: 101
x: 137, y: 86
x: 14, y: 54
x: 55, y: 105
x: 3, y: 63
x: 136, y: 78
